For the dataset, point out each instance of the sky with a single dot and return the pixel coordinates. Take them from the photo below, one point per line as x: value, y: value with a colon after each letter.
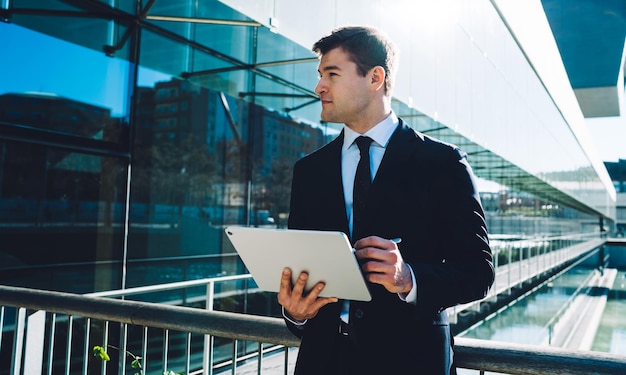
x: 609, y: 135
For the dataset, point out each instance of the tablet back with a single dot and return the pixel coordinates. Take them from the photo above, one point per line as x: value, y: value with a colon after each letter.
x: 326, y: 256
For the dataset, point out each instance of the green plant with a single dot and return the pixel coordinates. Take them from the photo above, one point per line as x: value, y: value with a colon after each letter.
x: 99, y: 351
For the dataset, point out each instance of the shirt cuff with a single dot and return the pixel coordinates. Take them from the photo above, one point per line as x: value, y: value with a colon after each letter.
x: 292, y: 320
x: 410, y: 297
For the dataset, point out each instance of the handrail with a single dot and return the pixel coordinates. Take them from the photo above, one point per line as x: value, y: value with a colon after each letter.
x: 470, y: 353
x: 169, y: 286
x: 178, y: 318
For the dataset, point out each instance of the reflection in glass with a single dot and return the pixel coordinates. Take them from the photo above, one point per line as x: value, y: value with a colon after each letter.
x: 62, y: 218
x: 81, y: 94
x: 204, y: 160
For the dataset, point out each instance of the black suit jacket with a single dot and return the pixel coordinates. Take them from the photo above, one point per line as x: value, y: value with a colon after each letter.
x: 424, y: 192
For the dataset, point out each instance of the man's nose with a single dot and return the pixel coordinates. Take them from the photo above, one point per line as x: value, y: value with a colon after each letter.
x: 320, y: 87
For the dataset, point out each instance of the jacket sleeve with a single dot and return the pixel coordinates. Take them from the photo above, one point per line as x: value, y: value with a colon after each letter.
x: 461, y: 270
x: 294, y: 221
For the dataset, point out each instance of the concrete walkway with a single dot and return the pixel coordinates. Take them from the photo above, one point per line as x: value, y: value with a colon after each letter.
x: 272, y: 364
x: 578, y: 325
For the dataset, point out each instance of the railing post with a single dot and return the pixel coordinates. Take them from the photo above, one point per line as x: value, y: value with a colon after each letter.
x: 207, y: 355
x: 494, y: 287
x: 18, y: 341
x: 521, y: 258
x: 34, y: 342
x: 51, y: 336
x: 86, y: 355
x: 105, y: 345
x: 286, y: 361
x: 188, y: 353
x: 259, y: 362
x: 122, y: 350
x: 234, y: 359
x: 550, y: 333
x: 1, y: 323
x: 68, y: 353
x: 542, y: 267
x: 144, y: 349
x: 509, y: 248
x: 166, y: 348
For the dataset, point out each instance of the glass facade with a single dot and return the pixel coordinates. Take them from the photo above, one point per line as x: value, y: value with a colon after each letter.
x: 133, y: 132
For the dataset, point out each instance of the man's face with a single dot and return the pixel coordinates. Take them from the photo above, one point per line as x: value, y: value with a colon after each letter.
x: 343, y: 91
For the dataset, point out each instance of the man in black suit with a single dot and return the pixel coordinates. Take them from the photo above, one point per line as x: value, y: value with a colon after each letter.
x: 422, y: 191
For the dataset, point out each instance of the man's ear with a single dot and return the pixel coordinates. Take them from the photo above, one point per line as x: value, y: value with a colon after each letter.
x: 377, y: 75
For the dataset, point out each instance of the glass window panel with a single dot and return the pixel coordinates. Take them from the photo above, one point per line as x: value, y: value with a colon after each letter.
x: 230, y: 41
x: 83, y: 92
x: 275, y: 47
x: 206, y: 9
x: 93, y: 31
x: 168, y: 56
x: 62, y: 216
x: 277, y: 96
x: 191, y: 177
x: 128, y: 6
x: 205, y: 160
x: 41, y: 4
x: 233, y: 41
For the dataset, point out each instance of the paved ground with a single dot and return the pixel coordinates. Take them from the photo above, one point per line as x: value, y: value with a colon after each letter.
x: 272, y: 364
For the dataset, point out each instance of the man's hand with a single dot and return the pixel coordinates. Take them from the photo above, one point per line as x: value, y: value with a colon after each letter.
x: 381, y: 263
x: 299, y: 306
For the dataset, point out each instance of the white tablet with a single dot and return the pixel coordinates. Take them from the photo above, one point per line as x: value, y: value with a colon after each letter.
x: 325, y: 255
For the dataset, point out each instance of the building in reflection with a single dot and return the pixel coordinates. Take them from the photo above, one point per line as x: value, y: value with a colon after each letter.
x: 55, y: 196
x: 52, y: 112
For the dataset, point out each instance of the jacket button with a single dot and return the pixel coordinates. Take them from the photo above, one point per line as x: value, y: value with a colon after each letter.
x: 358, y: 313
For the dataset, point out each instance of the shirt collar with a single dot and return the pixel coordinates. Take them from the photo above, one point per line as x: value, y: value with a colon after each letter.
x: 380, y: 133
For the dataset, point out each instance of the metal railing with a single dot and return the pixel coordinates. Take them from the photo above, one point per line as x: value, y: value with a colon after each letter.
x: 518, y: 261
x: 526, y: 259
x: 470, y: 353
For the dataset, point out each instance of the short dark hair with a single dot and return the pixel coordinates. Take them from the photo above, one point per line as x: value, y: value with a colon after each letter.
x: 366, y: 46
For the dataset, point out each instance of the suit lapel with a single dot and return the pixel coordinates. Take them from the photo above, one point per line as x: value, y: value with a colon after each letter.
x: 393, y: 165
x: 331, y: 186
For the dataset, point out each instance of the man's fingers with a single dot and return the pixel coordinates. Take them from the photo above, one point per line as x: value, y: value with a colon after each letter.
x: 297, y: 305
x: 377, y: 242
x: 316, y: 302
x: 321, y: 302
x: 298, y: 288
x: 285, y: 283
x: 315, y: 292
x: 376, y: 254
x: 285, y: 280
x: 395, y: 277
